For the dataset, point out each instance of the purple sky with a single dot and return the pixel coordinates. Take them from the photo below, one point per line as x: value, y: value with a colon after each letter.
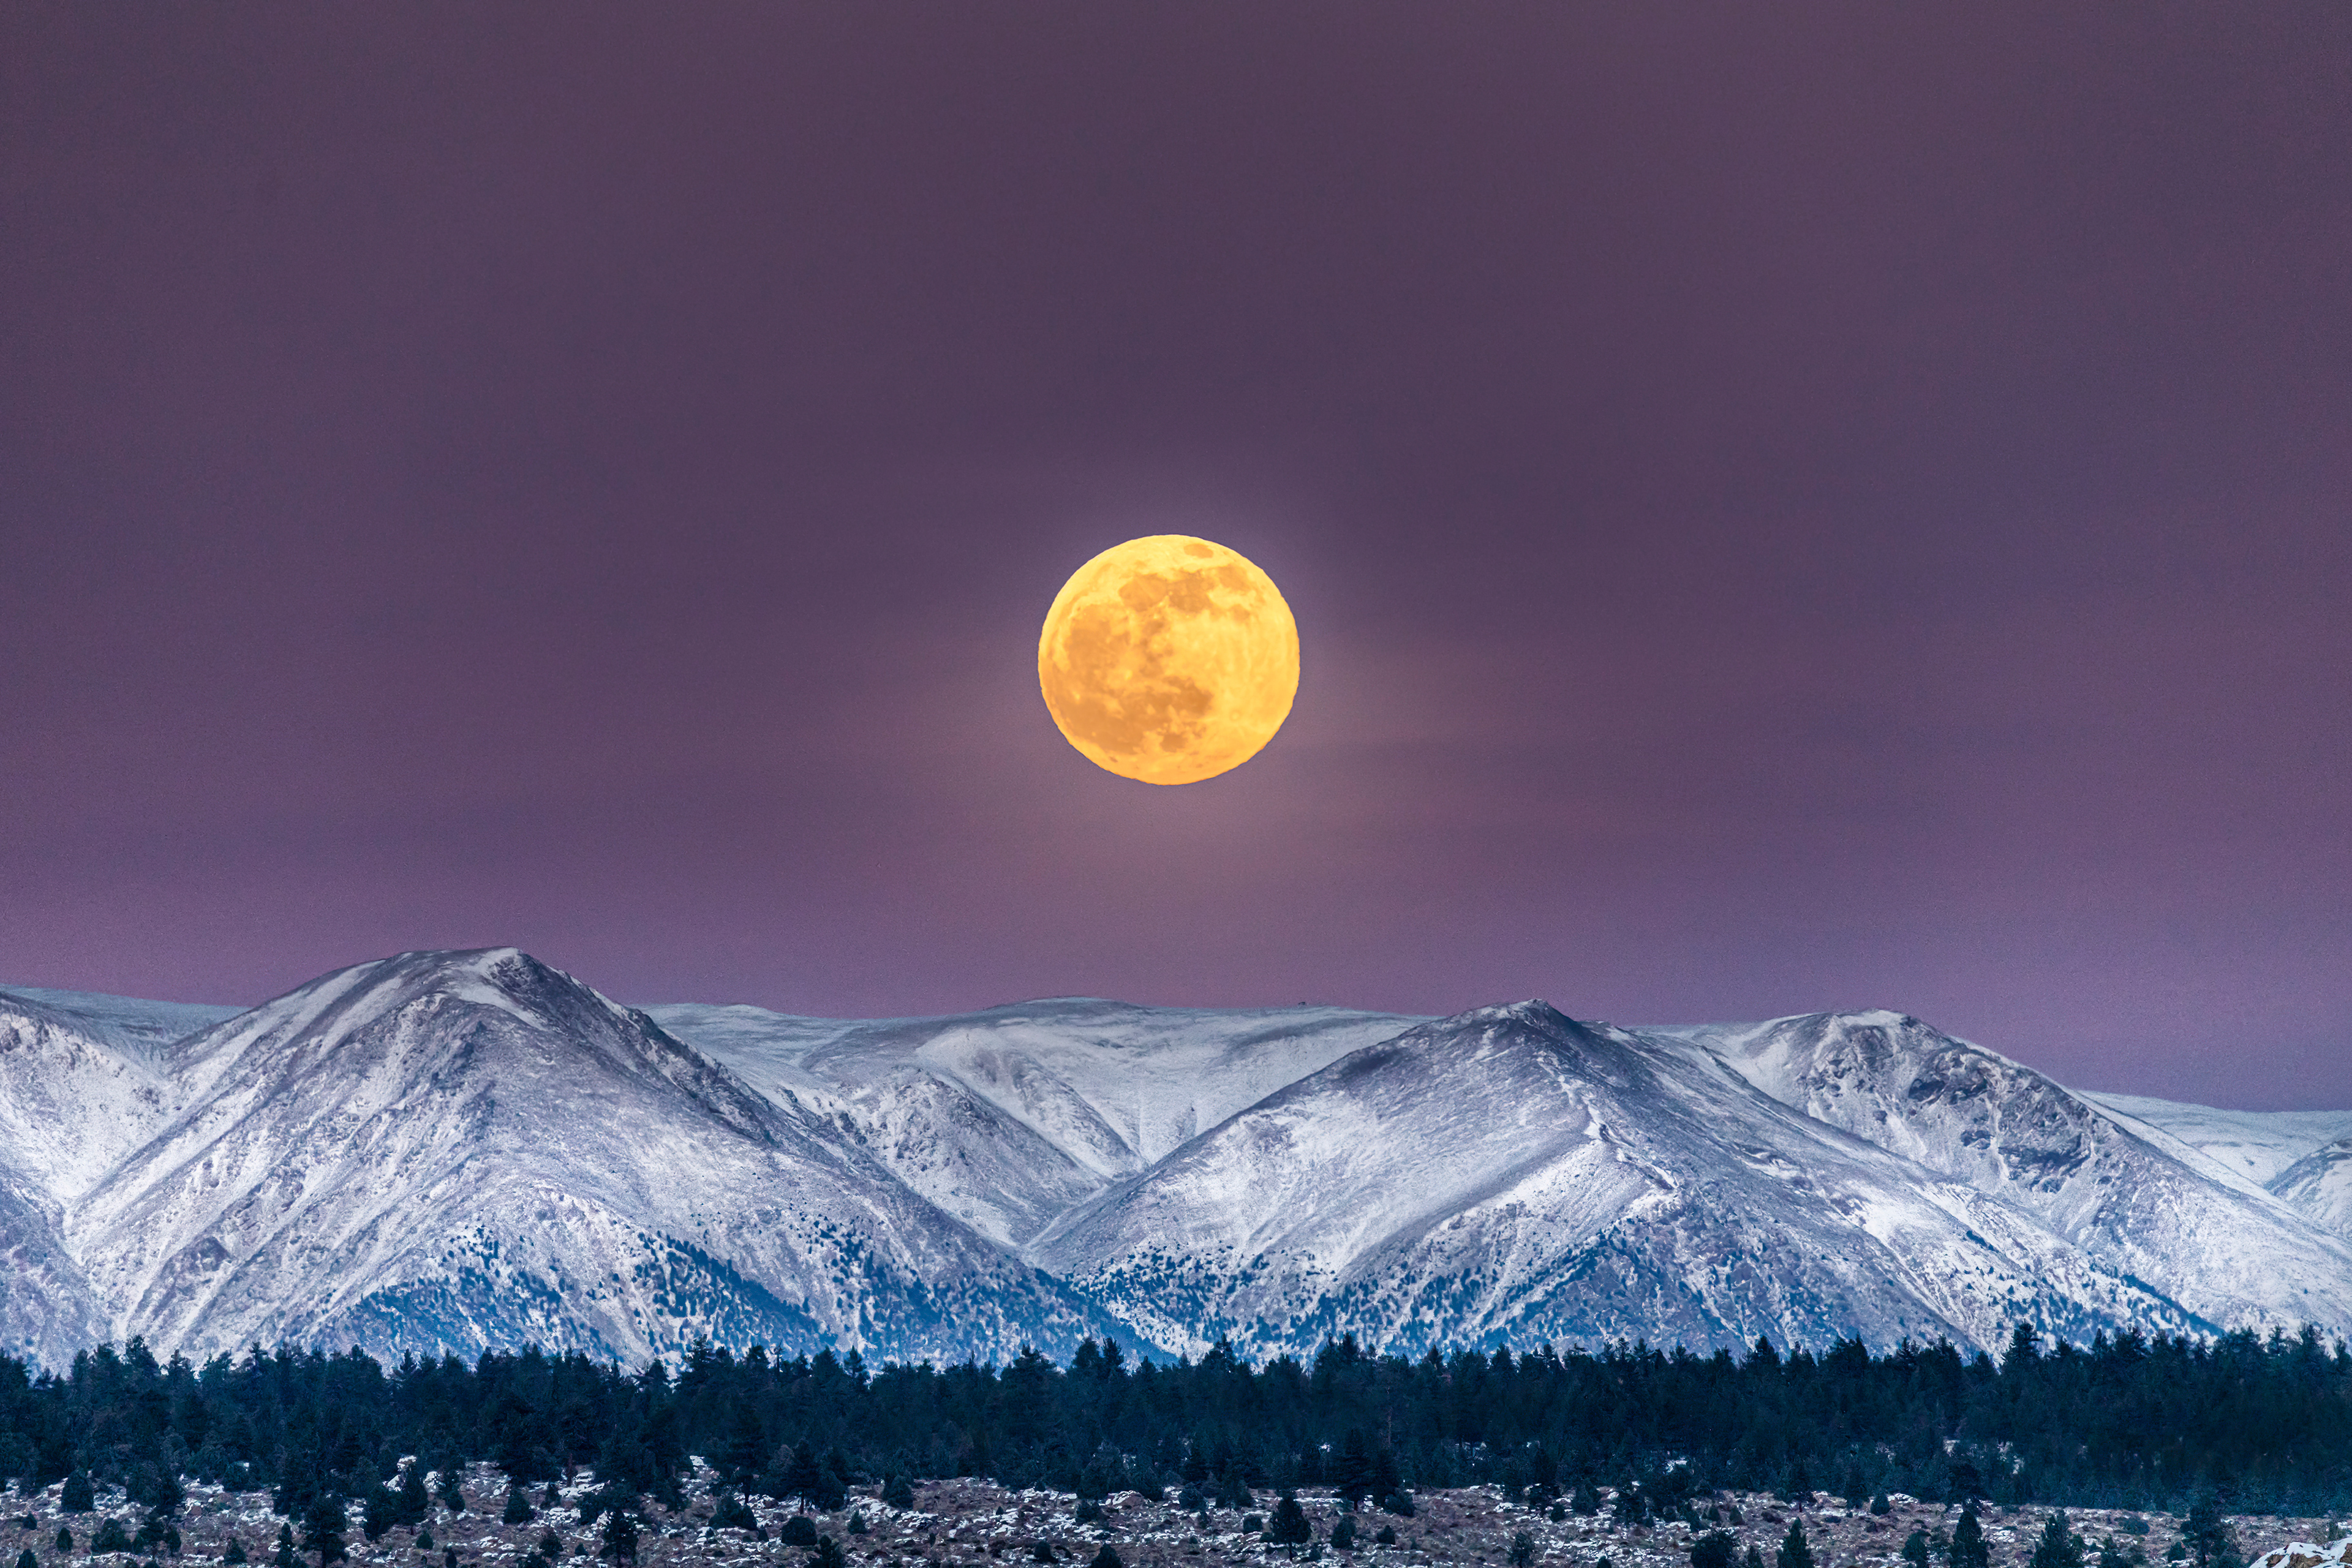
x: 1786, y: 506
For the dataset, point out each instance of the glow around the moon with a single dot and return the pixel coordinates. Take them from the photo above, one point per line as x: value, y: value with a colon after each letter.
x: 1168, y: 659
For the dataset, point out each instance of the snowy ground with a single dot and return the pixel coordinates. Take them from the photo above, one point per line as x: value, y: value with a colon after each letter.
x: 968, y: 1523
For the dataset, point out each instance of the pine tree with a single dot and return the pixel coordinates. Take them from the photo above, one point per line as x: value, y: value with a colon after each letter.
x: 64, y: 1541
x: 378, y: 1511
x: 323, y: 1530
x: 1794, y: 1553
x: 79, y: 1497
x: 897, y: 1492
x: 518, y: 1510
x: 744, y: 1453
x: 798, y: 1530
x: 1343, y: 1533
x: 2211, y: 1542
x: 284, y: 1557
x: 26, y: 1559
x: 235, y: 1555
x: 110, y: 1537
x: 415, y: 1502
x: 1290, y: 1526
x: 1351, y: 1471
x: 1106, y: 1558
x: 803, y: 1477
x: 1523, y: 1550
x: 1968, y: 1548
x: 620, y: 1543
x: 1755, y: 1558
x: 1914, y: 1549
x: 2112, y: 1555
x: 1713, y: 1550
x: 2060, y: 1547
x: 828, y: 1554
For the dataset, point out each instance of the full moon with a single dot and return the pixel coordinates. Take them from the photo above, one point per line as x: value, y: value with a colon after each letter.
x: 1168, y: 659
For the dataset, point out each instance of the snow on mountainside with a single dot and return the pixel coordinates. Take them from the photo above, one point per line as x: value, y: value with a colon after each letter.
x: 2319, y: 1186
x: 79, y: 1086
x: 2194, y: 1235
x: 1009, y: 1117
x: 82, y: 1083
x: 2255, y: 1144
x: 1510, y: 1175
x: 456, y: 1151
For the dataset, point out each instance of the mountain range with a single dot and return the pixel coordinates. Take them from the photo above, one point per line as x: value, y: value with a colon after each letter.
x: 455, y: 1151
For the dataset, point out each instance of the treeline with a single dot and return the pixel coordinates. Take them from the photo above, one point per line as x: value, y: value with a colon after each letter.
x: 2126, y: 1422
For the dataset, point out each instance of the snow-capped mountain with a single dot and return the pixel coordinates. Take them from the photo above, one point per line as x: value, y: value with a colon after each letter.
x: 1008, y: 1118
x: 1511, y: 1175
x: 456, y: 1150
x: 80, y: 1085
x: 449, y: 1152
x: 2257, y: 1145
x: 2131, y: 1206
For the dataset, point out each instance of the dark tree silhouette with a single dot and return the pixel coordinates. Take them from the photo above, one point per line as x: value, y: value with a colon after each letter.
x: 2059, y: 1547
x: 1713, y: 1550
x: 1968, y: 1548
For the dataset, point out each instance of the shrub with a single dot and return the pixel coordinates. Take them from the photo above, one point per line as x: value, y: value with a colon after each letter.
x: 898, y: 1493
x: 1523, y: 1550
x: 1106, y: 1558
x: 1388, y: 1535
x: 798, y: 1530
x: 110, y: 1537
x: 1343, y: 1534
x: 1088, y: 1511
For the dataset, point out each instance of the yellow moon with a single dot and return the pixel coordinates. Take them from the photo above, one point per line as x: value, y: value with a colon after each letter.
x: 1168, y: 659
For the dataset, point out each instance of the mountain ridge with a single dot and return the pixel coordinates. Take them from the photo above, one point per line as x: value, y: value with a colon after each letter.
x: 467, y: 1150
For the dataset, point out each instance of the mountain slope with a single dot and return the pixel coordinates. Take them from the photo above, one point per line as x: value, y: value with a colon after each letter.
x: 1009, y: 1117
x: 2191, y: 1232
x: 2253, y: 1144
x: 1510, y: 1175
x: 2319, y: 1186
x: 454, y: 1151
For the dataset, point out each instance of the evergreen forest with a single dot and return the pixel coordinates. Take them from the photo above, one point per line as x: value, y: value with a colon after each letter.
x: 2125, y: 1422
